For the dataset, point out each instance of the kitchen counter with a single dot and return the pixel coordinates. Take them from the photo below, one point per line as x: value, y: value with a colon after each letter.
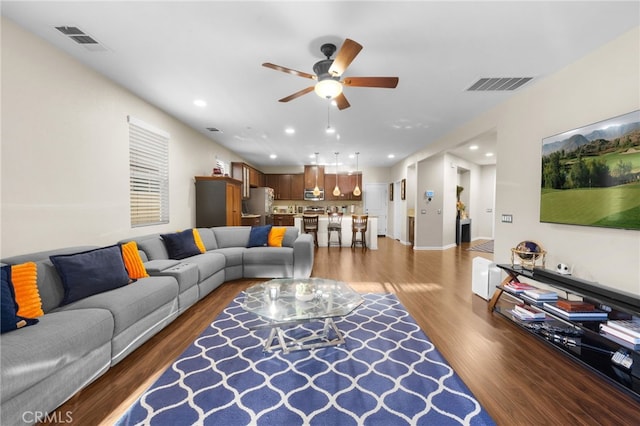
x: 371, y: 235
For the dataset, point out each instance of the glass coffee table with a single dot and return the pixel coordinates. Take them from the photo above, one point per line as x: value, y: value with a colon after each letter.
x: 287, y: 303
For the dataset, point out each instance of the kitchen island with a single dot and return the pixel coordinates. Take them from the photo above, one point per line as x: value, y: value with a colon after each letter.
x: 323, y: 220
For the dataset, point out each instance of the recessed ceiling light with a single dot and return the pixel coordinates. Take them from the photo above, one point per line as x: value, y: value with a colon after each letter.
x: 200, y: 103
x: 330, y: 130
x: 489, y: 154
x: 289, y: 130
x: 273, y: 156
x: 391, y: 156
x: 473, y: 147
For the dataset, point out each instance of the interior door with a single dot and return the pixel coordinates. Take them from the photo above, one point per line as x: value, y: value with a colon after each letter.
x: 375, y: 204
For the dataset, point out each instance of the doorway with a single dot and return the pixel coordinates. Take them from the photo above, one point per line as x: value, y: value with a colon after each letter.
x: 375, y: 204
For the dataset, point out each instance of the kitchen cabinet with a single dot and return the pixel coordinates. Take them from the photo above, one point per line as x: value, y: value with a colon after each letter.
x: 218, y: 201
x: 251, y: 220
x: 297, y: 187
x: 283, y: 220
x: 346, y: 183
x: 249, y: 176
x: 313, y: 174
x: 286, y: 186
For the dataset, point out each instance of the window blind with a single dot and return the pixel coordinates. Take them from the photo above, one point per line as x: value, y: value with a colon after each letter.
x: 148, y: 174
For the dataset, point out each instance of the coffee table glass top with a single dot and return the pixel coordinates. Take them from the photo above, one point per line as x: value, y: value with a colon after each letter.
x: 300, y: 299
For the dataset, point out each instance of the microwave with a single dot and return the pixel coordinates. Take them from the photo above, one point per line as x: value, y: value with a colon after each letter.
x: 308, y: 195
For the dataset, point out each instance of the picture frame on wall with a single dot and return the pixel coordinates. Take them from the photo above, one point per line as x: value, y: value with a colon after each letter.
x: 595, y: 167
x: 391, y: 191
x: 403, y: 189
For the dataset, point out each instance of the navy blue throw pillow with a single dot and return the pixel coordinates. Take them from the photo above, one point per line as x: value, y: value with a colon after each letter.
x: 9, y: 319
x: 181, y: 244
x: 91, y: 272
x: 259, y: 236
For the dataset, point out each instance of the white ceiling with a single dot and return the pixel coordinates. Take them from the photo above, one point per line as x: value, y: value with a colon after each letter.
x: 171, y: 53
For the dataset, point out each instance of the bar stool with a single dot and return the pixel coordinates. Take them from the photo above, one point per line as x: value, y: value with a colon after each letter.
x: 334, y: 225
x: 310, y: 226
x: 359, y: 225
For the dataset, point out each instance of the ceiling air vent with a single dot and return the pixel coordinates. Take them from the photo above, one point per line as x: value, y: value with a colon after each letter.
x: 498, y: 83
x: 82, y: 38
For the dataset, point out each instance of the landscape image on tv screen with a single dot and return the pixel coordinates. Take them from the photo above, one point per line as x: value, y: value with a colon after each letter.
x: 591, y: 175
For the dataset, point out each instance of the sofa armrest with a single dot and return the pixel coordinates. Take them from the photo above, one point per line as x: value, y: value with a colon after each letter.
x: 159, y: 265
x: 303, y: 252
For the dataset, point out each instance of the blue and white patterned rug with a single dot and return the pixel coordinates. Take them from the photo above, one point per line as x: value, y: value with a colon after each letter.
x: 387, y: 373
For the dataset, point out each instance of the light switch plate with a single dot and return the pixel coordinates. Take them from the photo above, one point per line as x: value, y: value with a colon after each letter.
x: 507, y: 218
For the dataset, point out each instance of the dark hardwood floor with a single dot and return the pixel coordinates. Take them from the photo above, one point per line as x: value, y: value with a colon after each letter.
x: 517, y: 378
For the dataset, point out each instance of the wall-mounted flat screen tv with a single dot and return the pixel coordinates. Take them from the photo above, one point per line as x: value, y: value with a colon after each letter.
x: 591, y: 175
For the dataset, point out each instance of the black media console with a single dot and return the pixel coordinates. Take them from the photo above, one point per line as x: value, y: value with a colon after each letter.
x: 616, y: 360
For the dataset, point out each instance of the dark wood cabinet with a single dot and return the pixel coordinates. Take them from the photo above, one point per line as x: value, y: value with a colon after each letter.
x: 250, y: 221
x: 313, y: 174
x: 286, y: 186
x: 346, y: 183
x: 249, y: 176
x: 218, y: 201
x: 283, y: 220
x: 297, y: 187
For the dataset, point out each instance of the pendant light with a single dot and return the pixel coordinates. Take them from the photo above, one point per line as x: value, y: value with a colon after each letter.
x: 316, y: 190
x: 336, y: 190
x: 356, y: 190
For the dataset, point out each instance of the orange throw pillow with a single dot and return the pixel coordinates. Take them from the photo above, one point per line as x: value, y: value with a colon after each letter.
x: 276, y: 235
x: 133, y: 261
x: 198, y: 240
x: 24, y: 278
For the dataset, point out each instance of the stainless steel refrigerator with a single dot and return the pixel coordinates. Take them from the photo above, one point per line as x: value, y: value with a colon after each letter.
x: 261, y: 202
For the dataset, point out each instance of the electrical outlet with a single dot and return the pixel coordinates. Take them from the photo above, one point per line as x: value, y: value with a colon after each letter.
x: 507, y: 218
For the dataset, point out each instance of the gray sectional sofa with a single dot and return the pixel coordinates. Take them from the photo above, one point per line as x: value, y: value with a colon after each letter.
x: 72, y: 345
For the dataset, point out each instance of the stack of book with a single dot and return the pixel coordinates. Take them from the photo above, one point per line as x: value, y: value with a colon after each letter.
x: 576, y: 310
x: 624, y: 332
x: 516, y: 287
x: 527, y: 313
x: 538, y: 295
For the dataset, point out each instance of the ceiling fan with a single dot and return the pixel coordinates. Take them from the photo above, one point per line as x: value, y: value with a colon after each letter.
x: 329, y: 73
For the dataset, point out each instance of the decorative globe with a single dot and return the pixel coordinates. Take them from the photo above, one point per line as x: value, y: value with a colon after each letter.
x: 528, y: 250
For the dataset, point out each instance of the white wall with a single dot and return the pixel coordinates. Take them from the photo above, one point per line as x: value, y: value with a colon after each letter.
x: 601, y: 85
x: 65, y: 159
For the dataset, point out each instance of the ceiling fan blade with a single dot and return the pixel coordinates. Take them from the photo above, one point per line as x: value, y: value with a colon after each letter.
x: 345, y: 56
x: 297, y: 94
x: 288, y: 70
x: 342, y: 102
x: 386, y: 82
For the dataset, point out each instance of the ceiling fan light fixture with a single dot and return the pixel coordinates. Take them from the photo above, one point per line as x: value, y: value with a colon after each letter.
x: 328, y: 88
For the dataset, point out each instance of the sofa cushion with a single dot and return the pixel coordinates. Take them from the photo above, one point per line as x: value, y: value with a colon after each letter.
x: 180, y: 245
x: 132, y: 260
x: 290, y: 236
x: 207, y: 263
x: 276, y: 235
x: 32, y: 354
x: 159, y: 265
x: 153, y: 247
x: 232, y: 236
x: 131, y: 303
x: 259, y: 236
x: 10, y: 320
x: 233, y: 255
x: 24, y: 277
x: 268, y: 256
x: 91, y: 272
x: 208, y: 238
